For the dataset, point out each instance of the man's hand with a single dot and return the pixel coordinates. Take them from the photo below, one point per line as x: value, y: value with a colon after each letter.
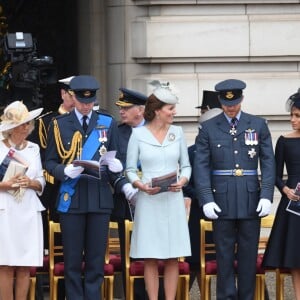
x: 263, y: 207
x: 210, y: 210
x: 129, y: 191
x: 72, y: 171
x: 114, y: 165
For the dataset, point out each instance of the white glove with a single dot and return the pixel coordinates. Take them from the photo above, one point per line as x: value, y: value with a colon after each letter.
x: 263, y: 207
x: 72, y: 171
x: 114, y: 165
x: 129, y: 191
x: 133, y: 200
x: 210, y: 210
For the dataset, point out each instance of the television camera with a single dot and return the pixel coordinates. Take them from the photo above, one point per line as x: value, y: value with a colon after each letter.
x: 24, y: 74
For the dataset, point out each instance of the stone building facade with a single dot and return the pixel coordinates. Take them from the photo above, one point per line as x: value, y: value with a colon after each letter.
x: 193, y: 44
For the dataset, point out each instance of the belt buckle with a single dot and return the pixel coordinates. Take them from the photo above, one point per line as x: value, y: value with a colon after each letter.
x: 238, y: 172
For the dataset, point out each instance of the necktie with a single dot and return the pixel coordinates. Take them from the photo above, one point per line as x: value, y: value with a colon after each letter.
x: 234, y: 122
x: 84, y: 123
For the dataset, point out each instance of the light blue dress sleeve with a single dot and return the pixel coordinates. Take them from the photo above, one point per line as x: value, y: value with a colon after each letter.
x: 132, y: 158
x: 185, y: 169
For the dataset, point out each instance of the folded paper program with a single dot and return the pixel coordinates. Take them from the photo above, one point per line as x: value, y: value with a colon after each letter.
x: 164, y: 181
x: 108, y: 159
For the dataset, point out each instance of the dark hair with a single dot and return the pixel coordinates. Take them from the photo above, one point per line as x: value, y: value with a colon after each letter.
x: 293, y: 101
x: 297, y: 102
x: 152, y: 104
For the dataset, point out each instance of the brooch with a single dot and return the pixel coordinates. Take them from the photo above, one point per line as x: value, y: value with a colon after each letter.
x: 171, y: 137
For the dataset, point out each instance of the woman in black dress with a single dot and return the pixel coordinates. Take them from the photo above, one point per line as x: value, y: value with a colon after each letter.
x: 284, y: 242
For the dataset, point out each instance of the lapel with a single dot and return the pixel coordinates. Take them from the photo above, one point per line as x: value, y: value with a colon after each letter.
x: 222, y: 123
x: 76, y: 123
x: 92, y: 123
x: 244, y: 124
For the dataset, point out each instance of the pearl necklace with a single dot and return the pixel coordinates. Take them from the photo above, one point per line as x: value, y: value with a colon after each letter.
x: 15, y: 146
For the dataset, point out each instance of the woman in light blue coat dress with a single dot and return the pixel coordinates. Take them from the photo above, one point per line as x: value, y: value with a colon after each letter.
x: 160, y: 227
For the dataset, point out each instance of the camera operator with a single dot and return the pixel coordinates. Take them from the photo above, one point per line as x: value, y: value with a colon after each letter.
x: 23, y: 74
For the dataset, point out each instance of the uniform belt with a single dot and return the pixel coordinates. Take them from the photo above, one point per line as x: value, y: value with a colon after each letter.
x: 235, y: 172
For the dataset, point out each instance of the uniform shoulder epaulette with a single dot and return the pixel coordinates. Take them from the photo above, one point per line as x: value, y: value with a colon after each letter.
x: 44, y: 115
x: 104, y: 112
x: 61, y: 116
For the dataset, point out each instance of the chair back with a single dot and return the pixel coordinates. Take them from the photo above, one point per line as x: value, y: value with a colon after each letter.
x: 205, y: 249
x: 55, y: 248
x: 128, y: 231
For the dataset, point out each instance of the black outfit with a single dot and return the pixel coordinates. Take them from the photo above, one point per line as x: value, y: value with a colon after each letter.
x: 283, y: 246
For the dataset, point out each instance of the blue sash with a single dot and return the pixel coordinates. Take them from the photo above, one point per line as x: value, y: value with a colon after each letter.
x: 67, y: 188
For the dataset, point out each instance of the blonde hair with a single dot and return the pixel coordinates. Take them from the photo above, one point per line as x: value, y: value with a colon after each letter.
x: 6, y: 134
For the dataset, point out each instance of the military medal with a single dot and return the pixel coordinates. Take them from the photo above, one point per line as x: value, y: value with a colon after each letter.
x: 102, y: 140
x: 252, y: 152
x: 233, y: 124
x: 251, y: 137
x: 102, y: 150
x: 232, y: 131
x: 171, y: 137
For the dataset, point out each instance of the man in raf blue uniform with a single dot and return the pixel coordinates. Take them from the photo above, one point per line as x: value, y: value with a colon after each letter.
x: 85, y: 200
x: 229, y: 149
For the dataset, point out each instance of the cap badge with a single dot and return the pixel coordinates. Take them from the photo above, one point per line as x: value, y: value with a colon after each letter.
x: 87, y: 94
x: 229, y: 95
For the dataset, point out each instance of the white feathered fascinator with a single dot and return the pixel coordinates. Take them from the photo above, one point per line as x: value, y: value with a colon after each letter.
x: 165, y: 92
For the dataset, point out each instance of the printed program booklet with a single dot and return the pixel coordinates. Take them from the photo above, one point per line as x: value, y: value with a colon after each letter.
x: 93, y: 164
x: 13, y: 169
x: 294, y: 206
x: 164, y: 181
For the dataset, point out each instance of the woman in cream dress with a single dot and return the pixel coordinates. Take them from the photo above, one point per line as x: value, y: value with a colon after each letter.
x: 21, y: 229
x: 160, y: 225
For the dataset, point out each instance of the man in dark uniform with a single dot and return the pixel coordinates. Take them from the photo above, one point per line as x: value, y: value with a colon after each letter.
x: 229, y: 148
x: 85, y: 201
x: 131, y: 109
x: 131, y: 106
x: 210, y: 107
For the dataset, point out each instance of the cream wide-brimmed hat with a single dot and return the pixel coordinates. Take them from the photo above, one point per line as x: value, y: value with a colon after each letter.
x: 15, y: 114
